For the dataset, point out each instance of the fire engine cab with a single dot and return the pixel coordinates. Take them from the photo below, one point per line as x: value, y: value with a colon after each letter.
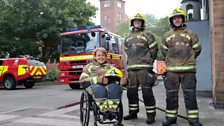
x: 76, y: 48
x: 20, y: 71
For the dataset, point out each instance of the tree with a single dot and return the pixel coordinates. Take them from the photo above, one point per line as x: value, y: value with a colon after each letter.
x: 123, y: 29
x: 33, y: 26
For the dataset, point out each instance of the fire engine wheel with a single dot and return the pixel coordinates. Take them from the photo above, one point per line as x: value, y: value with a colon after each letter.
x: 9, y: 83
x: 74, y: 86
x: 29, y: 84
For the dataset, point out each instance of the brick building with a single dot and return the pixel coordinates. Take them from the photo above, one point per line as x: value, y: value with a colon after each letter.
x: 216, y: 15
x: 112, y: 13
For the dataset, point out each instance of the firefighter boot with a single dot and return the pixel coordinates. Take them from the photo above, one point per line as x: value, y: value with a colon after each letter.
x: 169, y: 122
x: 131, y: 116
x: 150, y: 118
x: 195, y: 123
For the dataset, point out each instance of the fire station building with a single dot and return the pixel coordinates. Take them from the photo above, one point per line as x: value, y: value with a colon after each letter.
x: 206, y: 18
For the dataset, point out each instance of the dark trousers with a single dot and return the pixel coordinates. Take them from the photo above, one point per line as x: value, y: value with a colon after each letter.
x: 188, y: 84
x: 110, y: 91
x: 145, y: 79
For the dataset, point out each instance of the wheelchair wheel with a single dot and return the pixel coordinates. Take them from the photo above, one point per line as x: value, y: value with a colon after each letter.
x: 84, y: 109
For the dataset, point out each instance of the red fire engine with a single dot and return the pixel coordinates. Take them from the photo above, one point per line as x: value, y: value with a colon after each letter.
x: 77, y: 46
x: 18, y: 71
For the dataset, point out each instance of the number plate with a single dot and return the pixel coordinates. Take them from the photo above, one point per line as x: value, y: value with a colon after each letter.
x: 78, y: 66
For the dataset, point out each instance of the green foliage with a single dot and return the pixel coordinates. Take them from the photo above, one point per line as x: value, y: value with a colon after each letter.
x: 158, y: 27
x: 123, y: 29
x: 52, y: 75
x: 33, y: 26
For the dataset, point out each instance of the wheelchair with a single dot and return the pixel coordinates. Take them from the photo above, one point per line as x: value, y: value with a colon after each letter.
x: 87, y: 104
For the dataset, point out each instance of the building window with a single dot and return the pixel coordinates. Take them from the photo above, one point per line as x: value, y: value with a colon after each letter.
x: 105, y: 18
x: 107, y: 4
x: 108, y: 19
x: 118, y: 4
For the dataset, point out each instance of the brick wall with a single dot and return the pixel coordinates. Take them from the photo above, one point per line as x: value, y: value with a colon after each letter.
x: 216, y: 8
x: 109, y: 15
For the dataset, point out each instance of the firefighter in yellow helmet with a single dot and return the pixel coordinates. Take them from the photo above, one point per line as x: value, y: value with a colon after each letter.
x: 141, y: 49
x: 181, y: 47
x: 102, y: 80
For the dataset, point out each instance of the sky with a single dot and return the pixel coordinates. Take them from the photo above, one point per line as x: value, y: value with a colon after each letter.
x: 158, y: 8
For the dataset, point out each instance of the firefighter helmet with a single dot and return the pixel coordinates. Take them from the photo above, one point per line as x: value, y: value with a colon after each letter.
x: 114, y: 72
x: 138, y: 16
x: 178, y: 12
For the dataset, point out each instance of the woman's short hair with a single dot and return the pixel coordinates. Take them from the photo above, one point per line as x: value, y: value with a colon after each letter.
x: 101, y: 49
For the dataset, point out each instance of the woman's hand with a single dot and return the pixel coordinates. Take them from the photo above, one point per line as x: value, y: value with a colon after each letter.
x: 123, y: 81
x: 105, y: 81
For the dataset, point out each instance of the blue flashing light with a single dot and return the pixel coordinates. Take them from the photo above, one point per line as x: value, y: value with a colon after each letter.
x: 86, y: 27
x: 93, y: 26
x: 90, y: 61
x: 65, y: 63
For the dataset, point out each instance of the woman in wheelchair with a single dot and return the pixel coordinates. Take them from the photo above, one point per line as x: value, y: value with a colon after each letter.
x: 103, y: 82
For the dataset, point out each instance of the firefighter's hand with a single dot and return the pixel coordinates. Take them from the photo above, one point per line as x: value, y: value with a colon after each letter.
x: 105, y: 81
x: 123, y: 81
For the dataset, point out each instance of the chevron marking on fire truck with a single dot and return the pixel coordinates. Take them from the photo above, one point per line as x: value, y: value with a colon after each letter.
x: 38, y: 70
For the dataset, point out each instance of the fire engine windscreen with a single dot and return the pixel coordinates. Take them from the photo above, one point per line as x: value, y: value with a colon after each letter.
x: 79, y: 43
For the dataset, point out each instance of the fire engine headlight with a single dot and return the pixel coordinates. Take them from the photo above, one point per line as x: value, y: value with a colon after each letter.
x: 62, y: 74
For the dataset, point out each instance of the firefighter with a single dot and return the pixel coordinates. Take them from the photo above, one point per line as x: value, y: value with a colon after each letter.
x: 95, y: 79
x: 181, y: 47
x: 141, y: 49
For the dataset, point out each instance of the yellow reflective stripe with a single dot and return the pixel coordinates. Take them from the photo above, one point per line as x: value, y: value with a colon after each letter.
x: 163, y: 46
x: 192, y: 116
x: 128, y: 39
x: 69, y: 58
x: 85, y: 75
x: 133, y: 105
x: 94, y: 80
x: 153, y: 44
x: 150, y: 111
x: 150, y: 107
x: 171, y: 68
x: 171, y: 111
x: 185, y: 36
x: 171, y: 115
x: 196, y: 45
x: 89, y: 69
x: 170, y: 37
x: 21, y: 69
x: 142, y: 37
x: 192, y: 111
x: 138, y: 66
x: 133, y: 108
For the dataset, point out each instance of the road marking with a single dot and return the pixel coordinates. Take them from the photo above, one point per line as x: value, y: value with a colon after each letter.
x: 62, y: 113
x: 44, y: 121
x: 6, y: 117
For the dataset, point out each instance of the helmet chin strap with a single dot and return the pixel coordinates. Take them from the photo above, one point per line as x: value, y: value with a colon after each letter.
x: 138, y: 28
x: 177, y: 27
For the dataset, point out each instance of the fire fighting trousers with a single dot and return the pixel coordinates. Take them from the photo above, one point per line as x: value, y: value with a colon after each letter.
x: 107, y: 97
x: 145, y: 79
x: 188, y: 84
